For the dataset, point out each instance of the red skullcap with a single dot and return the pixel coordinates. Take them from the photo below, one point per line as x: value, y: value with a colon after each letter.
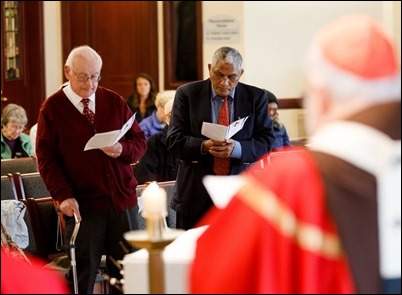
x: 357, y: 44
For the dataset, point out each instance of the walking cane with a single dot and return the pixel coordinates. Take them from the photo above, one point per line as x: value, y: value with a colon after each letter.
x: 72, y: 253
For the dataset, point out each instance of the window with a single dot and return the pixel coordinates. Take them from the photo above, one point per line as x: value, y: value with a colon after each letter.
x: 11, y: 41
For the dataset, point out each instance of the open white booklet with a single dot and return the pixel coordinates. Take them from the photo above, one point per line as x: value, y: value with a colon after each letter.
x: 222, y: 188
x: 105, y: 139
x: 220, y: 132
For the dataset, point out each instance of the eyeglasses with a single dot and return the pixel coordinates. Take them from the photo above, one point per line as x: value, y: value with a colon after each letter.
x: 219, y: 76
x: 84, y: 78
x: 13, y: 127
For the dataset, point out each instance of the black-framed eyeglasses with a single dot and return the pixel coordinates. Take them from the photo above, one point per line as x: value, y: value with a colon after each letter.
x: 84, y: 78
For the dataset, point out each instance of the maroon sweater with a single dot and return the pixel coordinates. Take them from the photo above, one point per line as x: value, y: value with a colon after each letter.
x: 96, y: 180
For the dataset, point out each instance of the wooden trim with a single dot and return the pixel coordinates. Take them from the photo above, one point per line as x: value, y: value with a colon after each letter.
x: 290, y: 103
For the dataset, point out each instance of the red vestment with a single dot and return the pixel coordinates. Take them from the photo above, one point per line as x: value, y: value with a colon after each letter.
x: 19, y: 277
x: 275, y: 236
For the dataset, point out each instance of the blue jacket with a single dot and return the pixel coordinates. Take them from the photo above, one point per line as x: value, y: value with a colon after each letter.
x: 281, y: 137
x: 150, y: 125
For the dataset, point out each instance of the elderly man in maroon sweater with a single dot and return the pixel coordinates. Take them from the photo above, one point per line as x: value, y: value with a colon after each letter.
x: 97, y: 185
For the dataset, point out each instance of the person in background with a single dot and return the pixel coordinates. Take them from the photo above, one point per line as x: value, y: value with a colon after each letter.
x: 96, y: 186
x: 281, y: 134
x: 142, y: 101
x: 14, y: 143
x: 32, y: 135
x: 155, y: 123
x: 158, y: 164
x: 331, y: 223
x: 199, y: 102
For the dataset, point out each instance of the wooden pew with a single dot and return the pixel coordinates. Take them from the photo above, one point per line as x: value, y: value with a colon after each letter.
x: 21, y: 165
x: 8, y: 189
x: 30, y: 185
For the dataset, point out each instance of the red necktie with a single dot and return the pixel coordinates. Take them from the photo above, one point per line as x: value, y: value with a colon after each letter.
x: 87, y: 111
x: 222, y: 165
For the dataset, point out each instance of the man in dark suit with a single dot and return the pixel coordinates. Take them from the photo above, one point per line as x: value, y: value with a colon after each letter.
x: 199, y: 102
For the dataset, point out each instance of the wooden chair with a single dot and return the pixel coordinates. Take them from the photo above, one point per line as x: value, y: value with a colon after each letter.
x: 21, y: 165
x: 30, y: 185
x: 43, y: 219
x: 134, y: 166
x: 8, y: 189
x: 42, y: 225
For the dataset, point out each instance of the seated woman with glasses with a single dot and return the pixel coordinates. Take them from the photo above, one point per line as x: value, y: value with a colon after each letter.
x: 14, y: 143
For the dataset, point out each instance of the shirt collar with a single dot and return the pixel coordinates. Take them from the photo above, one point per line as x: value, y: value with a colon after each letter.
x: 216, y: 96
x: 73, y: 97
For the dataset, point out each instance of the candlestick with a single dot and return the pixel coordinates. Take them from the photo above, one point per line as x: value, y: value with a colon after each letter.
x: 156, y: 236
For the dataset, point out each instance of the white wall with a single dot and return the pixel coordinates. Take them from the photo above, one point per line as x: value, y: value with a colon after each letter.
x: 53, y: 50
x: 278, y: 34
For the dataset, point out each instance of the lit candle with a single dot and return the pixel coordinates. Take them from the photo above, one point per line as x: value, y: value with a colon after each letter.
x: 155, y: 201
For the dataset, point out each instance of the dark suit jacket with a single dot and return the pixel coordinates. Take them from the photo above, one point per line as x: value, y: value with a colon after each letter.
x: 192, y: 106
x: 157, y: 164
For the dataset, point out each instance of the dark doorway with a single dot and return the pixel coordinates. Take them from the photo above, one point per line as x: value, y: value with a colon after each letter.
x: 123, y: 32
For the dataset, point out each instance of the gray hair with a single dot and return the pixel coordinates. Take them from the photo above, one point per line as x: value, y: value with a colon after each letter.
x: 13, y: 112
x: 163, y: 97
x: 84, y: 51
x: 228, y: 55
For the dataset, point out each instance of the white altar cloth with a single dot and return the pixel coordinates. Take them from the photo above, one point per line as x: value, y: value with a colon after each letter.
x: 177, y: 256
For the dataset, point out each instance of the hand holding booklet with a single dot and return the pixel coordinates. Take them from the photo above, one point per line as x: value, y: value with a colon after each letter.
x: 220, y: 132
x: 105, y: 139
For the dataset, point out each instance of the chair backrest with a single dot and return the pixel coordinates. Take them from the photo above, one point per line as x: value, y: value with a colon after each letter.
x: 134, y: 166
x: 43, y: 220
x: 32, y: 242
x: 31, y: 185
x: 8, y: 189
x: 21, y: 165
x: 169, y: 187
x: 140, y: 219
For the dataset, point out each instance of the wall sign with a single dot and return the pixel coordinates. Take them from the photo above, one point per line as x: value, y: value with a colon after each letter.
x: 221, y: 29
